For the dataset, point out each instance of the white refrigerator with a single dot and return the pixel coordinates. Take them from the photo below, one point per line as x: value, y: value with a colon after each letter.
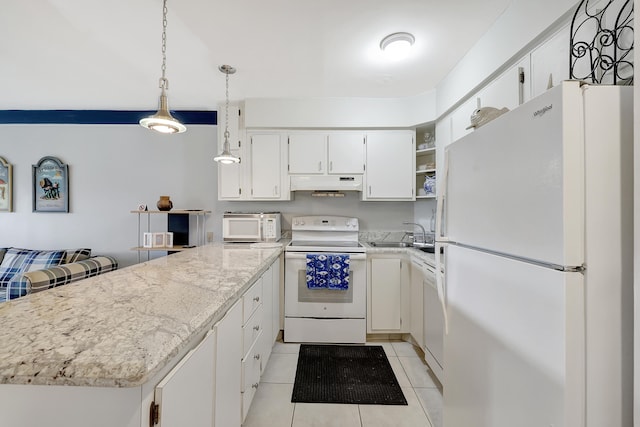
x: 535, y: 218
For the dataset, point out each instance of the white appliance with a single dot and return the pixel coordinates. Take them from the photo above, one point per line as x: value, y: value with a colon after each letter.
x: 251, y: 227
x: 324, y: 315
x: 537, y: 231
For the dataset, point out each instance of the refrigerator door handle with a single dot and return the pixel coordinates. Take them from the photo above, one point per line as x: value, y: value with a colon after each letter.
x: 441, y: 282
x: 442, y: 196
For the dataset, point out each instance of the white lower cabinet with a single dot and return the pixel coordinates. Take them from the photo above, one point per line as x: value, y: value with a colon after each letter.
x: 251, y: 369
x: 417, y: 302
x: 228, y: 373
x: 388, y: 294
x: 433, y: 325
x: 186, y: 395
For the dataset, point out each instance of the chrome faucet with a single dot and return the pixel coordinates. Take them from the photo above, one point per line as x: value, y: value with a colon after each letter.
x: 416, y: 242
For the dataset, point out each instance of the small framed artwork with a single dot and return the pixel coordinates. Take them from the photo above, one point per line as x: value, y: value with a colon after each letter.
x: 147, y: 240
x: 168, y: 239
x: 50, y: 185
x: 6, y: 186
x: 159, y: 240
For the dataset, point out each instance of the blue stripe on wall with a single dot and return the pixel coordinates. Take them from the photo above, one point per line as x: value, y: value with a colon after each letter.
x: 100, y: 117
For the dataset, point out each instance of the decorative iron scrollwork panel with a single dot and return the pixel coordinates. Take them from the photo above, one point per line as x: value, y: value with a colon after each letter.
x: 602, y: 42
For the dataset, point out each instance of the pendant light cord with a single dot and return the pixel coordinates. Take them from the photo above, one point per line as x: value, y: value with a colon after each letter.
x: 164, y: 83
x: 226, y: 111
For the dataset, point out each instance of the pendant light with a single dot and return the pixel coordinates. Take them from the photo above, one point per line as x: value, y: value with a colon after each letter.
x: 163, y: 121
x: 226, y: 157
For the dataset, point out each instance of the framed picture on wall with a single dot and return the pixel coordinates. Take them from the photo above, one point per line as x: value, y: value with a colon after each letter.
x: 50, y: 185
x: 6, y: 186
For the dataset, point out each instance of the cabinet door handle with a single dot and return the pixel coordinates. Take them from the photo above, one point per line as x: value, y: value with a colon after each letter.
x: 369, y: 190
x: 320, y: 166
x: 257, y: 357
x: 256, y: 299
x: 256, y: 328
x: 275, y: 190
x: 255, y: 385
x: 331, y: 166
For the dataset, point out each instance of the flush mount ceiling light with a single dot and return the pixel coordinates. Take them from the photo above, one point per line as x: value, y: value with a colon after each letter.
x: 226, y: 157
x: 163, y: 121
x: 397, y: 45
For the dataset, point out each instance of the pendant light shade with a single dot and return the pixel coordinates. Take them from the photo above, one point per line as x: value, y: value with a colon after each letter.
x: 162, y: 121
x: 226, y: 157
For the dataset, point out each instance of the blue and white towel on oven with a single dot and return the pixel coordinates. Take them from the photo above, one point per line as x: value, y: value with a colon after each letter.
x: 328, y: 271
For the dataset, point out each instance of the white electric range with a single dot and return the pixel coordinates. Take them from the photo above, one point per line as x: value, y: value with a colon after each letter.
x: 325, y: 315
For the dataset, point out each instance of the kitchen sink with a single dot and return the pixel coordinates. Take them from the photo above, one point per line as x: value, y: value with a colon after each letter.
x: 428, y: 248
x: 390, y: 244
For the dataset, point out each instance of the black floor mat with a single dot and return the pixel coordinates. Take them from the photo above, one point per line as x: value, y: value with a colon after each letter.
x: 345, y: 374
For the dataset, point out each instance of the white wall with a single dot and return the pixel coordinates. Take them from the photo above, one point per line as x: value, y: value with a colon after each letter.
x: 112, y: 168
x: 372, y: 215
x: 340, y: 112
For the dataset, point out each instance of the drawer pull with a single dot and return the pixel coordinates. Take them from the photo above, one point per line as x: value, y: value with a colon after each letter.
x: 255, y: 385
x: 256, y: 299
x: 256, y: 328
x: 257, y: 357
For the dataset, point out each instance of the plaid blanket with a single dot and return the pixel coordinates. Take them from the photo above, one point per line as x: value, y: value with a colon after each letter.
x: 18, y: 260
x: 39, y: 280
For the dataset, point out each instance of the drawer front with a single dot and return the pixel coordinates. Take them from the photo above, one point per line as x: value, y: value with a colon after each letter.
x: 252, y: 329
x: 251, y: 300
x: 250, y: 376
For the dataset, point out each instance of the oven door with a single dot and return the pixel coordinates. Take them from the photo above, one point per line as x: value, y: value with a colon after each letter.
x: 301, y: 301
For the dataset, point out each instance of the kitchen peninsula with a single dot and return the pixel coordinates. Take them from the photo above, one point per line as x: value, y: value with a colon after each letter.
x: 92, y: 352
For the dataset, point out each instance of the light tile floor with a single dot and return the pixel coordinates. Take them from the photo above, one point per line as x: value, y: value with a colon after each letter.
x: 272, y: 406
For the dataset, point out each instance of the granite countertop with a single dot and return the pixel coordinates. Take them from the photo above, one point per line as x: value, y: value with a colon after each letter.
x: 415, y: 253
x: 120, y: 328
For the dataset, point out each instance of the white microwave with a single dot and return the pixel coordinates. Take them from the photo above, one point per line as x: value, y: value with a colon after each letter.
x: 251, y: 227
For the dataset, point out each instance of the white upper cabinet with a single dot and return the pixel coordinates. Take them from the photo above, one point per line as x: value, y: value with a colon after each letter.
x: 308, y: 153
x: 320, y: 153
x: 346, y: 153
x: 230, y: 177
x: 267, y: 157
x: 390, y: 166
x: 550, y: 63
x: 230, y: 180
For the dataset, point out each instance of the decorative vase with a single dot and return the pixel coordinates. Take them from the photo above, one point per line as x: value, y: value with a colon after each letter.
x: 164, y: 204
x: 430, y: 185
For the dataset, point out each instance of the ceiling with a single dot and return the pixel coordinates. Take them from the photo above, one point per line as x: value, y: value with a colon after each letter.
x: 90, y: 54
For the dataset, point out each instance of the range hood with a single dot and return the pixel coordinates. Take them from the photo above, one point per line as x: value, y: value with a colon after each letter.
x: 326, y: 182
